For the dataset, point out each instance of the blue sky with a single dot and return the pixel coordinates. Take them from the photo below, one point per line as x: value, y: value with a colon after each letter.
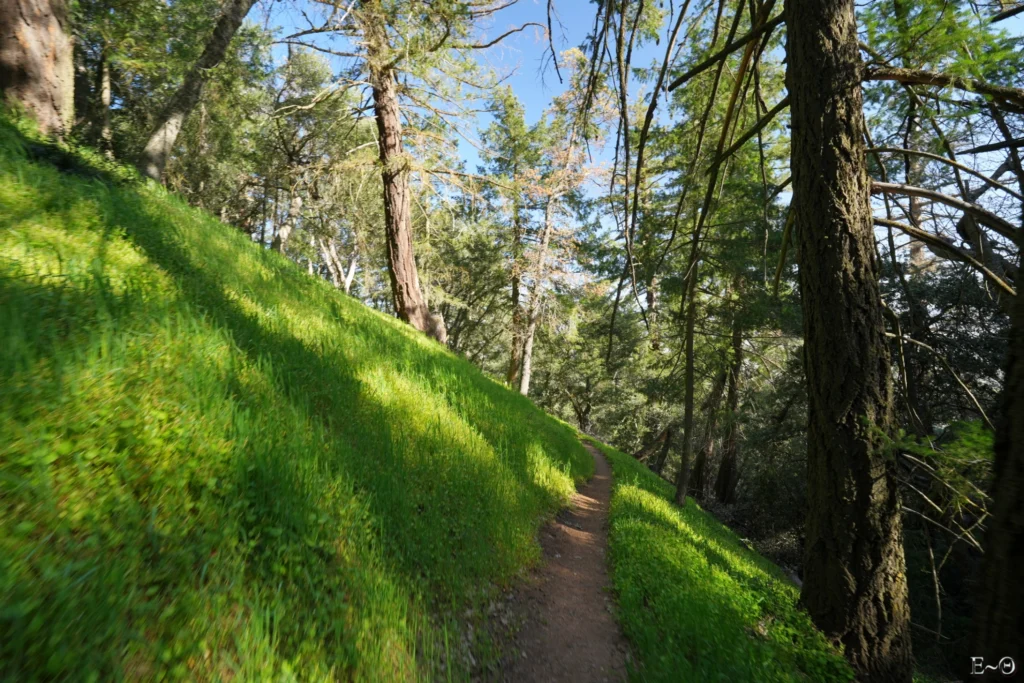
x: 523, y: 55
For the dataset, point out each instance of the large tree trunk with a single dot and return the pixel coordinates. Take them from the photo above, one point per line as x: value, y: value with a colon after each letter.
x: 855, y: 587
x: 999, y: 627
x: 165, y: 133
x: 36, y: 61
x: 533, y: 314
x: 728, y: 469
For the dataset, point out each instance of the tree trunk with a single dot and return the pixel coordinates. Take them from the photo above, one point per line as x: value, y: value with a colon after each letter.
x: 855, y: 574
x: 281, y: 238
x: 106, y: 135
x: 655, y: 444
x: 659, y: 464
x: 37, y: 63
x: 1000, y: 618
x: 683, y: 476
x: 533, y: 314
x: 698, y: 476
x: 728, y: 469
x: 161, y: 142
x: 405, y: 282
x: 515, y: 358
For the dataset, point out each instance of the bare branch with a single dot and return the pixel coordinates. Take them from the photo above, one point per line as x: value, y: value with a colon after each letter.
x: 990, y: 181
x: 949, y: 249
x: 1003, y: 227
x: 503, y: 36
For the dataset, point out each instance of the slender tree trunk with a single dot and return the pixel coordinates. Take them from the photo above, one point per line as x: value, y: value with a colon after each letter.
x: 329, y: 254
x: 405, y: 282
x: 516, y: 356
x: 37, y: 68
x: 666, y: 446
x: 655, y: 444
x: 683, y: 476
x: 728, y: 469
x: 350, y: 272
x: 533, y: 315
x: 282, y: 236
x: 1000, y: 619
x: 699, y: 475
x: 154, y: 157
x: 104, y: 133
x: 855, y: 575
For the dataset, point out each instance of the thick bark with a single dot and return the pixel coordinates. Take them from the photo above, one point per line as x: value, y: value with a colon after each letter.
x: 533, y: 314
x: 855, y: 573
x: 37, y: 61
x: 154, y: 157
x: 1000, y: 619
x: 728, y: 468
x: 410, y: 305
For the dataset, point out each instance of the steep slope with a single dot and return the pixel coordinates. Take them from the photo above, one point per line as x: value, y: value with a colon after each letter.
x: 213, y: 465
x: 695, y: 603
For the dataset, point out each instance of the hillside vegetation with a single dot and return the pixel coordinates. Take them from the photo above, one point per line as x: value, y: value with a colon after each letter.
x: 695, y: 603
x: 213, y: 465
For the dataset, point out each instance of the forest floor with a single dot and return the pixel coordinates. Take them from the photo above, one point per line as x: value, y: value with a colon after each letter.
x: 569, y: 632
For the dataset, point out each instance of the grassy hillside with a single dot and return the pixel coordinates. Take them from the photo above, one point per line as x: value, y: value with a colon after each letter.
x: 695, y: 603
x: 214, y: 466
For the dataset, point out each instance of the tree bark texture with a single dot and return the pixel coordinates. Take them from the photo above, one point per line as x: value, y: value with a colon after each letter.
x: 410, y: 305
x: 158, y: 149
x: 37, y: 63
x: 855, y: 584
x: 999, y: 626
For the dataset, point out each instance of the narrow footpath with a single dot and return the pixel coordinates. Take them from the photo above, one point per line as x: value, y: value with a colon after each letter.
x: 570, y: 633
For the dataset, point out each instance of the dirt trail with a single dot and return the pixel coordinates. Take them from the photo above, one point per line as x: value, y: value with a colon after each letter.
x: 569, y: 633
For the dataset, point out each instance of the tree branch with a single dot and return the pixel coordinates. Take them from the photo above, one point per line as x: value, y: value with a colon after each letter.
x: 951, y: 250
x: 1003, y: 227
x: 922, y: 77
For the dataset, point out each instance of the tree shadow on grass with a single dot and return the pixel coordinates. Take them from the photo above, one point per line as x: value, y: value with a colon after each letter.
x: 446, y: 505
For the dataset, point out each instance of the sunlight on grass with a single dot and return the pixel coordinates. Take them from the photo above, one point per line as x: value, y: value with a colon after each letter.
x: 694, y: 602
x: 213, y: 466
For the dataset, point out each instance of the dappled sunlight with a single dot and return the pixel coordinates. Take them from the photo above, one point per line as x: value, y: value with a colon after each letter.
x: 695, y: 603
x: 213, y: 466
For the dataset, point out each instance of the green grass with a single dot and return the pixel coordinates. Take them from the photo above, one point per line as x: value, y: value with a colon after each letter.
x: 213, y: 466
x: 695, y: 603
